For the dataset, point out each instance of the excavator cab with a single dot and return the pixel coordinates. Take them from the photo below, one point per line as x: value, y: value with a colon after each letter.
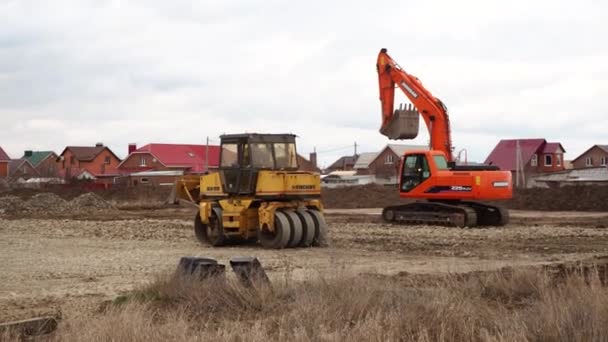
x: 244, y: 155
x: 415, y: 171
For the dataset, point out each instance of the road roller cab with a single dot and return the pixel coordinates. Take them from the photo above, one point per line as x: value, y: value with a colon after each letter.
x: 257, y: 193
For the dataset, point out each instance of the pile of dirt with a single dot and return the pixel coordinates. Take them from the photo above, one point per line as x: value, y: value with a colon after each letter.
x: 90, y: 201
x: 10, y: 204
x: 577, y: 198
x: 363, y: 196
x: 49, y: 203
x: 570, y: 198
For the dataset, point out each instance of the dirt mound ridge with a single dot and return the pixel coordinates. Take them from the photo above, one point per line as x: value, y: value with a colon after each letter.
x: 90, y: 201
x: 49, y: 203
x: 577, y: 198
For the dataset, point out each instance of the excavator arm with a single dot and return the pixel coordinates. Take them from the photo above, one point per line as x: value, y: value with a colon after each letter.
x: 431, y: 109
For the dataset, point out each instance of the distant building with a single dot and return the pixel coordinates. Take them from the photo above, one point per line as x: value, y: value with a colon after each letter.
x: 536, y: 155
x: 45, y: 162
x: 363, y: 162
x: 171, y: 157
x: 385, y: 166
x: 345, y: 163
x: 308, y: 165
x: 21, y: 169
x: 596, y: 155
x: 89, y: 162
x: 4, y: 160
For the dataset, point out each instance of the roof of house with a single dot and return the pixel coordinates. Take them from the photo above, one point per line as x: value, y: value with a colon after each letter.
x: 87, y: 153
x: 365, y: 159
x: 342, y: 162
x: 305, y: 164
x: 37, y: 156
x: 504, y: 154
x: 552, y: 147
x: 602, y: 147
x: 182, y: 155
x: 3, y: 155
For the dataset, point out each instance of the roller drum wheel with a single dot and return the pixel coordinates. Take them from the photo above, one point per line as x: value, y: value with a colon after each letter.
x: 279, y: 238
x: 215, y: 231
x: 296, y: 229
x: 308, y: 228
x: 320, y: 238
x: 200, y: 229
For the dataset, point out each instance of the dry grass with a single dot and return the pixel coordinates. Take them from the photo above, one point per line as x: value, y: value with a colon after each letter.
x: 522, y: 305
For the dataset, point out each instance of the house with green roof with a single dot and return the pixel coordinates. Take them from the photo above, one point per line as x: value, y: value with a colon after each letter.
x: 45, y: 162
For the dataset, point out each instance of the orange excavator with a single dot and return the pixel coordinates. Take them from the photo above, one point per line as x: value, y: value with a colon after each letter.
x: 447, y: 193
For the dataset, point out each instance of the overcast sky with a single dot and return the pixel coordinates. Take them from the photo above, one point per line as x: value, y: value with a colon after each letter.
x: 80, y: 72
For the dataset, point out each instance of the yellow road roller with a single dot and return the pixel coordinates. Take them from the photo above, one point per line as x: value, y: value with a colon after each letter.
x: 258, y: 193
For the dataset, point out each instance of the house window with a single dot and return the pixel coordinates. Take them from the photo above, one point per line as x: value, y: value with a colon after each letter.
x: 558, y: 160
x: 142, y: 161
x: 107, y: 160
x: 588, y: 161
x: 389, y: 159
x: 603, y: 161
x: 144, y: 180
x: 548, y: 160
x: 72, y: 160
x: 534, y: 161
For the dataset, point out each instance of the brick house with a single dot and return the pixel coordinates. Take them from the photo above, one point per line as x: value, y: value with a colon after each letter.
x: 97, y: 162
x: 345, y: 163
x: 536, y: 155
x: 308, y: 165
x: 21, y: 169
x: 363, y: 161
x: 4, y: 160
x: 385, y: 166
x: 595, y: 156
x: 45, y: 162
x: 170, y: 157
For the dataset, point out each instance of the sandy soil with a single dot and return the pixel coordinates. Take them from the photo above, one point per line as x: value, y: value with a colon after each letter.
x: 70, y: 265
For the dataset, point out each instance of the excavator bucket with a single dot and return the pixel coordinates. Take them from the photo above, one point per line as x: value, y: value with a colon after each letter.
x: 403, y: 125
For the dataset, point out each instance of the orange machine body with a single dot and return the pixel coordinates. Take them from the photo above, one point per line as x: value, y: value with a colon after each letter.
x: 437, y: 182
x: 433, y: 175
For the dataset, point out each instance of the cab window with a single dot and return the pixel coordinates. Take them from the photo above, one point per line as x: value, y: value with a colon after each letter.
x: 441, y: 162
x: 229, y: 155
x: 262, y: 155
x: 415, y: 171
x: 286, y: 155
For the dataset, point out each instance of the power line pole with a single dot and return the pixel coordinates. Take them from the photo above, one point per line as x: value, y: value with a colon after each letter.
x: 355, y: 148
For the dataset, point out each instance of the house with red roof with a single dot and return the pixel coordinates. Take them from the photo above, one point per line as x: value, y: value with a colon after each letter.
x: 535, y: 155
x: 97, y: 163
x: 160, y: 164
x: 4, y: 161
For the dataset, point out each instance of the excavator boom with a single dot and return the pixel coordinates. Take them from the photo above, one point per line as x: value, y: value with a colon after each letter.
x: 397, y: 124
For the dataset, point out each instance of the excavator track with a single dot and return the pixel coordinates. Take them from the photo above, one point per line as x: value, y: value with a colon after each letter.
x: 460, y: 214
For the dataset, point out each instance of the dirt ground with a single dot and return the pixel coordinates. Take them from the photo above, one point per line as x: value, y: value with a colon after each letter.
x: 69, y: 265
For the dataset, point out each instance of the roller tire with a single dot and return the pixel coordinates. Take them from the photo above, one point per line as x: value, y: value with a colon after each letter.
x: 215, y: 231
x: 308, y: 228
x: 280, y: 237
x: 296, y: 229
x: 200, y: 229
x: 320, y: 239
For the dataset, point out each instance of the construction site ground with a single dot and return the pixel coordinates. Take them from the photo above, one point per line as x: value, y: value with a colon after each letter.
x: 69, y: 262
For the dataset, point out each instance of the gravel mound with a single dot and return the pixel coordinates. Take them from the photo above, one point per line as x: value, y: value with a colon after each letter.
x: 11, y: 204
x: 49, y: 203
x: 90, y: 201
